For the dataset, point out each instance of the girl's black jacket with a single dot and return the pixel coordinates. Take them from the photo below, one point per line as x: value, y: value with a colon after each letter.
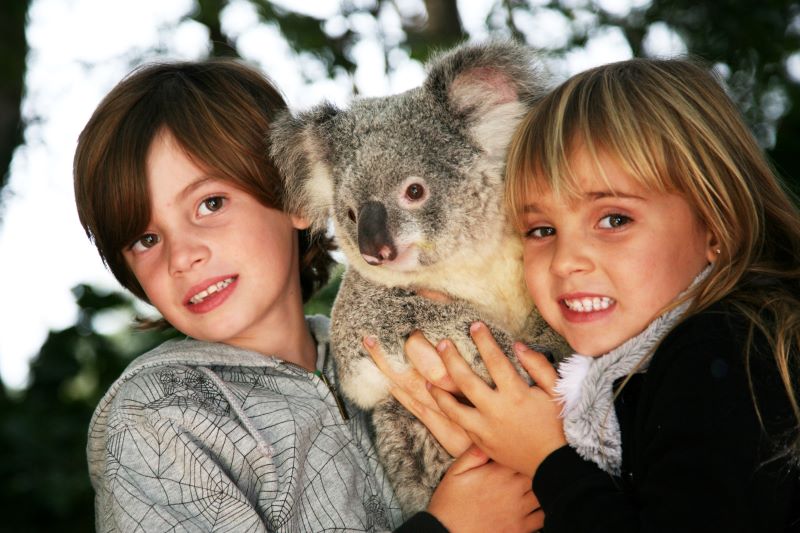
x: 695, y: 456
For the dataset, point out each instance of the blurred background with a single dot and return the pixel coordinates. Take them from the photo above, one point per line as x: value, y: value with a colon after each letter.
x: 65, y: 326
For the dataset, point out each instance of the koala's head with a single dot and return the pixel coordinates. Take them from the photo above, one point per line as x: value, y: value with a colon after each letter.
x: 415, y: 179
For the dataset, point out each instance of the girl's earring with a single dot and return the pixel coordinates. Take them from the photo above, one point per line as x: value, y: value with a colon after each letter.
x: 717, y: 251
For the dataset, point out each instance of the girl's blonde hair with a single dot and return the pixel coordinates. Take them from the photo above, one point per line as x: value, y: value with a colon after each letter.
x: 672, y: 127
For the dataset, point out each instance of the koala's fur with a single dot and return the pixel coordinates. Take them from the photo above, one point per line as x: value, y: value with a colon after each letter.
x: 449, y: 136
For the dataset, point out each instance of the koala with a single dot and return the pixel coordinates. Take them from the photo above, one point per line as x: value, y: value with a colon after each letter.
x: 414, y: 184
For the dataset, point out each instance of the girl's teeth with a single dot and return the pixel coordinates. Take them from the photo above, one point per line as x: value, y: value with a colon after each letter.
x: 202, y: 295
x: 587, y: 305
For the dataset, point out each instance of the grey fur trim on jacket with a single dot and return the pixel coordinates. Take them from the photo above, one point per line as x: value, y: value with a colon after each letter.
x: 586, y: 389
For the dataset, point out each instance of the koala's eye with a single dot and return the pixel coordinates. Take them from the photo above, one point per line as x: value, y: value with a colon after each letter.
x: 415, y: 191
x: 351, y: 215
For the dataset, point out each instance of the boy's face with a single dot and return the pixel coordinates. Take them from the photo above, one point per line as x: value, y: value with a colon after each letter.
x: 216, y: 263
x: 601, y: 268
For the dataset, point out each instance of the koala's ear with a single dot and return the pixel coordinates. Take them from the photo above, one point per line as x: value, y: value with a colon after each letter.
x: 489, y: 85
x: 300, y: 150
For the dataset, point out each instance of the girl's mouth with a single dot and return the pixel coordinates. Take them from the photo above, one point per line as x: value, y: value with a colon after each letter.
x: 588, y: 304
x: 584, y: 308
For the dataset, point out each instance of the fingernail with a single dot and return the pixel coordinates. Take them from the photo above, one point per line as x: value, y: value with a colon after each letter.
x: 475, y: 326
x: 442, y: 346
x: 428, y: 385
x: 521, y: 348
x: 370, y: 341
x: 477, y: 452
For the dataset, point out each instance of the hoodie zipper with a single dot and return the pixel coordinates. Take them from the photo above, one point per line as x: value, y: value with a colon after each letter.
x: 334, y: 393
x: 331, y: 388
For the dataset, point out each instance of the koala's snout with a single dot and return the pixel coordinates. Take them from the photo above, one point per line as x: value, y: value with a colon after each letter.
x: 374, y: 241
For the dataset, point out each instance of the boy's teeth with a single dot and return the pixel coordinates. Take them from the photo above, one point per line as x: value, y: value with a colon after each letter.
x: 587, y: 305
x: 211, y: 289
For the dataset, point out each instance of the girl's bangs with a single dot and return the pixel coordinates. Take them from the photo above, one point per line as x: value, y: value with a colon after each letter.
x: 606, y: 113
x: 539, y: 162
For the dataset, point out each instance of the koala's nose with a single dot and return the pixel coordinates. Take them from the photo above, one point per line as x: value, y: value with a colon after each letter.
x: 374, y: 240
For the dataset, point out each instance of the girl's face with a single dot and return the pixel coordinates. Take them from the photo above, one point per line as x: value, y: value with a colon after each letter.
x: 602, y: 267
x: 216, y: 263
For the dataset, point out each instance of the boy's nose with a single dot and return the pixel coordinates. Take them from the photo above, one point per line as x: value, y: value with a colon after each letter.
x: 186, y: 255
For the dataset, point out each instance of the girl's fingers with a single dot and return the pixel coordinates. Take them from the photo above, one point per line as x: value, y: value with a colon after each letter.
x: 411, y: 390
x: 376, y: 352
x: 471, y: 386
x: 498, y: 365
x: 464, y: 416
x: 409, y: 380
x: 450, y: 435
x: 538, y: 367
x: 473, y: 457
x: 426, y: 360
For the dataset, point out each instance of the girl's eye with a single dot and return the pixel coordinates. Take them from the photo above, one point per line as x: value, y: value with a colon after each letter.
x: 211, y: 204
x: 614, y: 221
x: 145, y: 242
x: 540, y: 232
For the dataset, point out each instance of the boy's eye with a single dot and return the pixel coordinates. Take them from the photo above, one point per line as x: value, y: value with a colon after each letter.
x: 614, y: 221
x: 144, y: 242
x: 540, y: 232
x: 210, y: 204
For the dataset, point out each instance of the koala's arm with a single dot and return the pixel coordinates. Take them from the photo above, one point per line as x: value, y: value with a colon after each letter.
x: 362, y: 308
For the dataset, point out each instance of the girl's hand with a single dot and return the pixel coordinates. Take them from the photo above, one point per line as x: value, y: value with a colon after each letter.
x: 409, y: 387
x: 515, y: 424
x: 476, y: 495
x: 427, y: 361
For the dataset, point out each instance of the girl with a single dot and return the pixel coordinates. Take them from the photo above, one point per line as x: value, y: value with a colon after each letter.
x: 660, y: 244
x: 237, y: 427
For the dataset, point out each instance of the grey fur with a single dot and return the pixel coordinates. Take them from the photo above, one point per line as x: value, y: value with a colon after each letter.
x: 451, y: 136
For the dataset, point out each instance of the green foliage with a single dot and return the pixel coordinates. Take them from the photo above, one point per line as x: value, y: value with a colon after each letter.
x: 752, y: 41
x: 13, y: 52
x: 322, y: 302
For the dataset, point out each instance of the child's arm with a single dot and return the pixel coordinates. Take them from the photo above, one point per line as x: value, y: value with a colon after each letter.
x: 160, y: 477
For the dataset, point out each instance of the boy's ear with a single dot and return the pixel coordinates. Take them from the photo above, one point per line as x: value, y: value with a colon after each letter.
x: 301, y: 152
x: 490, y: 85
x: 299, y: 222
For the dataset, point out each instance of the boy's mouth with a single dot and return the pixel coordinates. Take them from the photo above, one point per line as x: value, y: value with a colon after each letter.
x: 211, y: 289
x: 588, y: 304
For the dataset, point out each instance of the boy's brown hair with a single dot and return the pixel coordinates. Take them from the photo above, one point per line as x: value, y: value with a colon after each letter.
x: 219, y: 111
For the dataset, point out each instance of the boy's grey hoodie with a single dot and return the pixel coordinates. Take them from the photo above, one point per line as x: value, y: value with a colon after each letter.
x: 198, y: 436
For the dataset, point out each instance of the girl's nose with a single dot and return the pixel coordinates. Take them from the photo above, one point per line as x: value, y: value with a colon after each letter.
x: 571, y: 256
